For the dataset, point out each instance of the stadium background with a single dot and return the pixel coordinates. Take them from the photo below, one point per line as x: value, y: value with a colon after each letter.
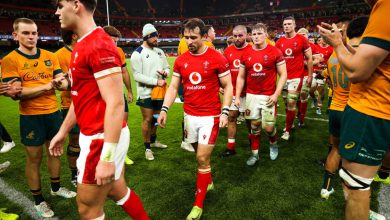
x: 284, y: 189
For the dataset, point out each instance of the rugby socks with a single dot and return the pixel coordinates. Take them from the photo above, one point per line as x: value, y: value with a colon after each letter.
x: 37, y: 195
x: 302, y: 111
x: 231, y: 144
x: 273, y: 139
x: 289, y: 119
x: 73, y: 171
x: 328, y: 176
x: 4, y: 134
x: 299, y: 109
x: 203, y: 179
x: 147, y: 146
x: 55, y: 183
x: 153, y: 138
x: 133, y: 206
x: 255, y: 143
x: 384, y: 172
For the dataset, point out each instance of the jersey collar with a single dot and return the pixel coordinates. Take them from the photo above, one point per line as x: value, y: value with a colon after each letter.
x: 35, y: 56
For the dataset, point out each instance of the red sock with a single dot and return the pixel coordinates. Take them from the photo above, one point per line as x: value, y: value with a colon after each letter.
x: 274, y: 138
x: 133, y: 206
x: 203, y: 179
x: 302, y: 110
x: 255, y: 142
x: 231, y: 145
x: 289, y: 119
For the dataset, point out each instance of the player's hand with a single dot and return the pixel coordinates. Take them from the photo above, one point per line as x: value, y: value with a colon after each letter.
x: 221, y: 90
x: 105, y: 172
x: 161, y: 82
x: 272, y: 100
x: 162, y: 119
x: 163, y: 73
x: 223, y: 121
x: 237, y: 102
x: 331, y: 34
x: 56, y: 147
x: 129, y: 97
x: 10, y: 89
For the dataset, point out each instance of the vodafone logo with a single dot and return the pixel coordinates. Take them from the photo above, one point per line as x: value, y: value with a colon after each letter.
x: 257, y: 67
x: 236, y: 63
x: 195, y: 78
x: 288, y: 51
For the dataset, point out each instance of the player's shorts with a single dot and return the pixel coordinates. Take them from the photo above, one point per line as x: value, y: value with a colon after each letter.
x: 90, y: 150
x: 364, y: 139
x: 304, y: 87
x: 36, y: 129
x: 335, y: 118
x: 201, y: 129
x: 256, y: 108
x: 317, y: 82
x: 149, y: 103
x: 126, y: 105
x: 233, y: 107
x: 76, y: 128
x: 292, y: 84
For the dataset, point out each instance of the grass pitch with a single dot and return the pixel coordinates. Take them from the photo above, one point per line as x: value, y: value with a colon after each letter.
x: 287, y: 188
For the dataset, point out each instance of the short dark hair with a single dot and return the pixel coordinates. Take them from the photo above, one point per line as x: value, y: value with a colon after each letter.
x: 289, y: 18
x: 66, y: 36
x: 271, y: 28
x: 207, y: 28
x: 193, y: 23
x: 90, y: 5
x: 357, y: 26
x: 343, y: 19
x: 112, y: 31
x: 22, y: 20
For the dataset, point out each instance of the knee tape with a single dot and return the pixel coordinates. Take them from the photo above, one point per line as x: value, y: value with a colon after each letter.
x: 354, y: 182
x: 292, y: 96
x: 73, y: 150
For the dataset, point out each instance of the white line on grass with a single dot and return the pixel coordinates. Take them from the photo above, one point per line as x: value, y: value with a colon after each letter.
x: 18, y: 198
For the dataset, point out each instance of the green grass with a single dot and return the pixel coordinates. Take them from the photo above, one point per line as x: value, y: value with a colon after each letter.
x: 287, y: 188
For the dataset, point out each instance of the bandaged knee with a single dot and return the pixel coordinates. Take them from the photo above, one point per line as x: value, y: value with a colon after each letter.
x: 353, y: 181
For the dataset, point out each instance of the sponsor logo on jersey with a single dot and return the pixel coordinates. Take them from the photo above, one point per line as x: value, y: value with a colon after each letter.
x: 236, y: 63
x: 205, y: 64
x: 195, y: 78
x: 288, y: 52
x: 257, y: 67
x: 26, y: 66
x: 30, y: 76
x: 350, y: 145
x: 36, y: 64
x: 185, y: 65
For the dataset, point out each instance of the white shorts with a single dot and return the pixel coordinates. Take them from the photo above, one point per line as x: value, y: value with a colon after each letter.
x: 256, y: 109
x: 292, y: 84
x: 317, y: 82
x: 90, y: 150
x: 201, y: 129
x: 233, y: 107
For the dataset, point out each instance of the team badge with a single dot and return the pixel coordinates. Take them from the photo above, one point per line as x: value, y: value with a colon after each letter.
x: 147, y: 56
x: 185, y: 65
x: 48, y: 62
x: 247, y: 112
x: 205, y: 64
x: 288, y: 51
x: 195, y: 78
x: 257, y: 67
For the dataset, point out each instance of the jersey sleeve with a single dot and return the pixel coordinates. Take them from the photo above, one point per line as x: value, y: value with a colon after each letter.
x: 9, y: 69
x: 122, y: 56
x: 56, y: 65
x: 223, y: 67
x: 279, y: 59
x: 176, y: 68
x: 104, y: 60
x: 377, y: 32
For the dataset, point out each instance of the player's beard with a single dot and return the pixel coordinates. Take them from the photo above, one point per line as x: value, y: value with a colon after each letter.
x: 239, y: 44
x: 152, y: 44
